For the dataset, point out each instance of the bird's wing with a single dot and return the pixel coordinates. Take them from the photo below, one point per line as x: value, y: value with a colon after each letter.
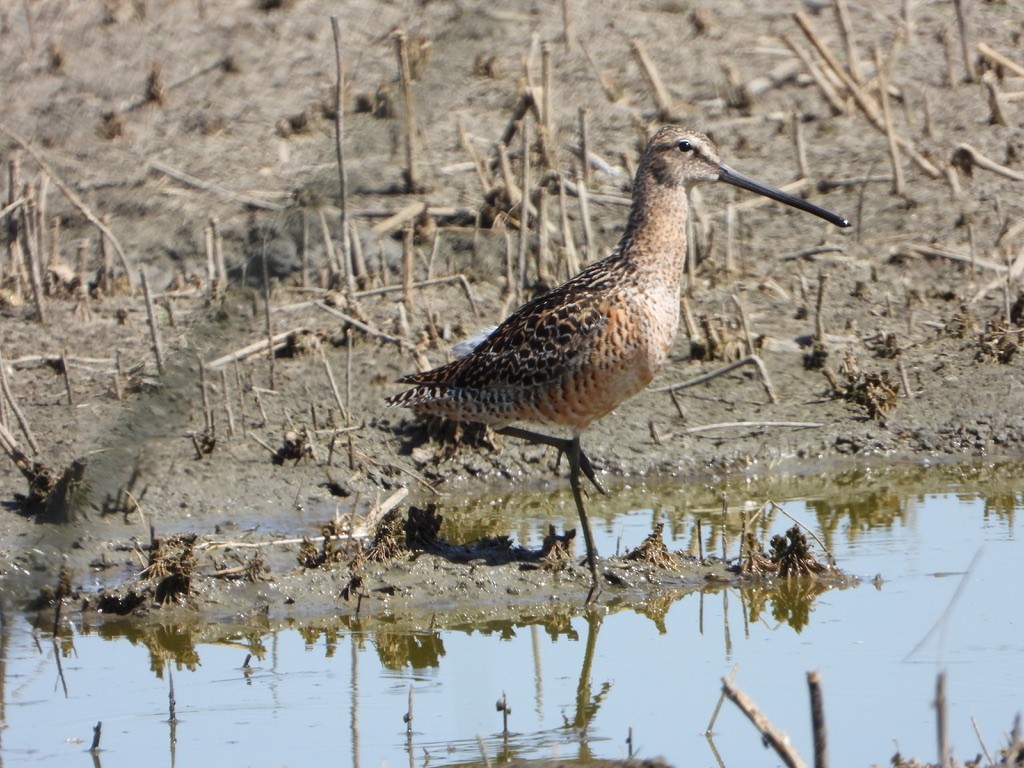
x: 541, y: 342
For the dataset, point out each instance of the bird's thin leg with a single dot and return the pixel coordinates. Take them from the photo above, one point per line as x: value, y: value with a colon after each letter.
x: 574, y: 454
x: 578, y: 462
x: 562, y: 444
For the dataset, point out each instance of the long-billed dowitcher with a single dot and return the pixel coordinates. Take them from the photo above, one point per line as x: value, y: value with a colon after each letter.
x: 572, y: 355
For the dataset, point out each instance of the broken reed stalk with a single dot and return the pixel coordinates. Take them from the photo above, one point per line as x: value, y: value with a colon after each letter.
x: 548, y: 136
x: 205, y: 393
x: 730, y: 238
x: 154, y: 329
x: 995, y: 100
x: 241, y: 399
x: 408, y: 268
x: 965, y: 43
x: 97, y: 731
x: 748, y: 360
x: 225, y: 394
x: 819, y: 322
x: 409, y: 111
x: 361, y: 326
x: 30, y: 249
x: 588, y: 229
x: 799, y: 146
x: 1000, y: 60
x: 334, y: 387
x: 846, y: 33
x: 584, y: 146
x: 940, y: 713
x: 66, y: 375
x: 777, y: 739
x: 220, y: 268
x: 543, y: 241
x: 358, y: 266
x: 304, y: 250
x: 339, y: 126
x: 744, y: 326
x: 278, y: 341
x: 752, y: 425
x: 612, y: 91
x: 408, y: 716
x: 70, y: 195
x: 15, y: 409
x: 818, y: 720
x: 348, y: 399
x: 662, y: 99
x: 570, y: 257
x: 196, y: 183
x: 966, y: 156
x: 866, y: 105
x: 524, y: 205
x: 171, y: 703
x: 898, y: 186
x: 211, y: 278
x: 268, y: 327
x: 460, y: 279
x: 333, y: 262
x: 830, y: 94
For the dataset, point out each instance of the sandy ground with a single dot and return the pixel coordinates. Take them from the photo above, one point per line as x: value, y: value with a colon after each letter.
x: 124, y: 98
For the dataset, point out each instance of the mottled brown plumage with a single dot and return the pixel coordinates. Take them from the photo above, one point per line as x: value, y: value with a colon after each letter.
x: 573, y: 354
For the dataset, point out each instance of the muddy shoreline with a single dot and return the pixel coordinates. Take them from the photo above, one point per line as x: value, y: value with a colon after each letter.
x: 921, y: 344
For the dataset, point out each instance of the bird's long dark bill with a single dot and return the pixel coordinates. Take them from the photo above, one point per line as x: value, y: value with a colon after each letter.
x: 728, y: 175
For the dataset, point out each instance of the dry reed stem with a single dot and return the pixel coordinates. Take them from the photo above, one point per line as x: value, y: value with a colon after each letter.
x: 965, y: 43
x: 965, y: 156
x: 478, y: 164
x: 612, y: 91
x: 754, y: 360
x: 154, y: 329
x: 830, y: 93
x: 584, y: 144
x: 71, y: 196
x: 1000, y: 60
x: 32, y: 256
x: 582, y: 195
x: 339, y: 133
x: 548, y: 133
x: 818, y: 720
x: 367, y: 329
x: 276, y: 342
x: 524, y: 207
x: 570, y: 257
x: 206, y: 186
x: 846, y: 33
x: 860, y: 98
x: 408, y: 268
x: 395, y: 222
x: 662, y: 99
x: 543, y: 241
x: 995, y: 100
x: 16, y: 409
x: 799, y: 146
x: 412, y: 182
x: 777, y: 739
x: 898, y: 186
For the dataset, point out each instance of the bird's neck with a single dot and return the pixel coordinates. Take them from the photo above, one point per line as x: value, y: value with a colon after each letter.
x: 655, y: 237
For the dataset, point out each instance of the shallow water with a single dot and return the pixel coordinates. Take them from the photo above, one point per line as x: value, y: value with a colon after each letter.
x: 577, y: 685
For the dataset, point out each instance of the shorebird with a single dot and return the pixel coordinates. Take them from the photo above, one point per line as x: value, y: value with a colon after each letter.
x: 573, y: 354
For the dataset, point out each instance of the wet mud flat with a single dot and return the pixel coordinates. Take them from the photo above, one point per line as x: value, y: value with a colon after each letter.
x: 897, y: 341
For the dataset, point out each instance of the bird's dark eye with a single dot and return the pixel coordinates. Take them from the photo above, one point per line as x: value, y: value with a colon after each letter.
x: 684, y: 145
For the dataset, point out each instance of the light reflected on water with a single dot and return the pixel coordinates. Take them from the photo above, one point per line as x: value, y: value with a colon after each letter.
x: 336, y: 689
